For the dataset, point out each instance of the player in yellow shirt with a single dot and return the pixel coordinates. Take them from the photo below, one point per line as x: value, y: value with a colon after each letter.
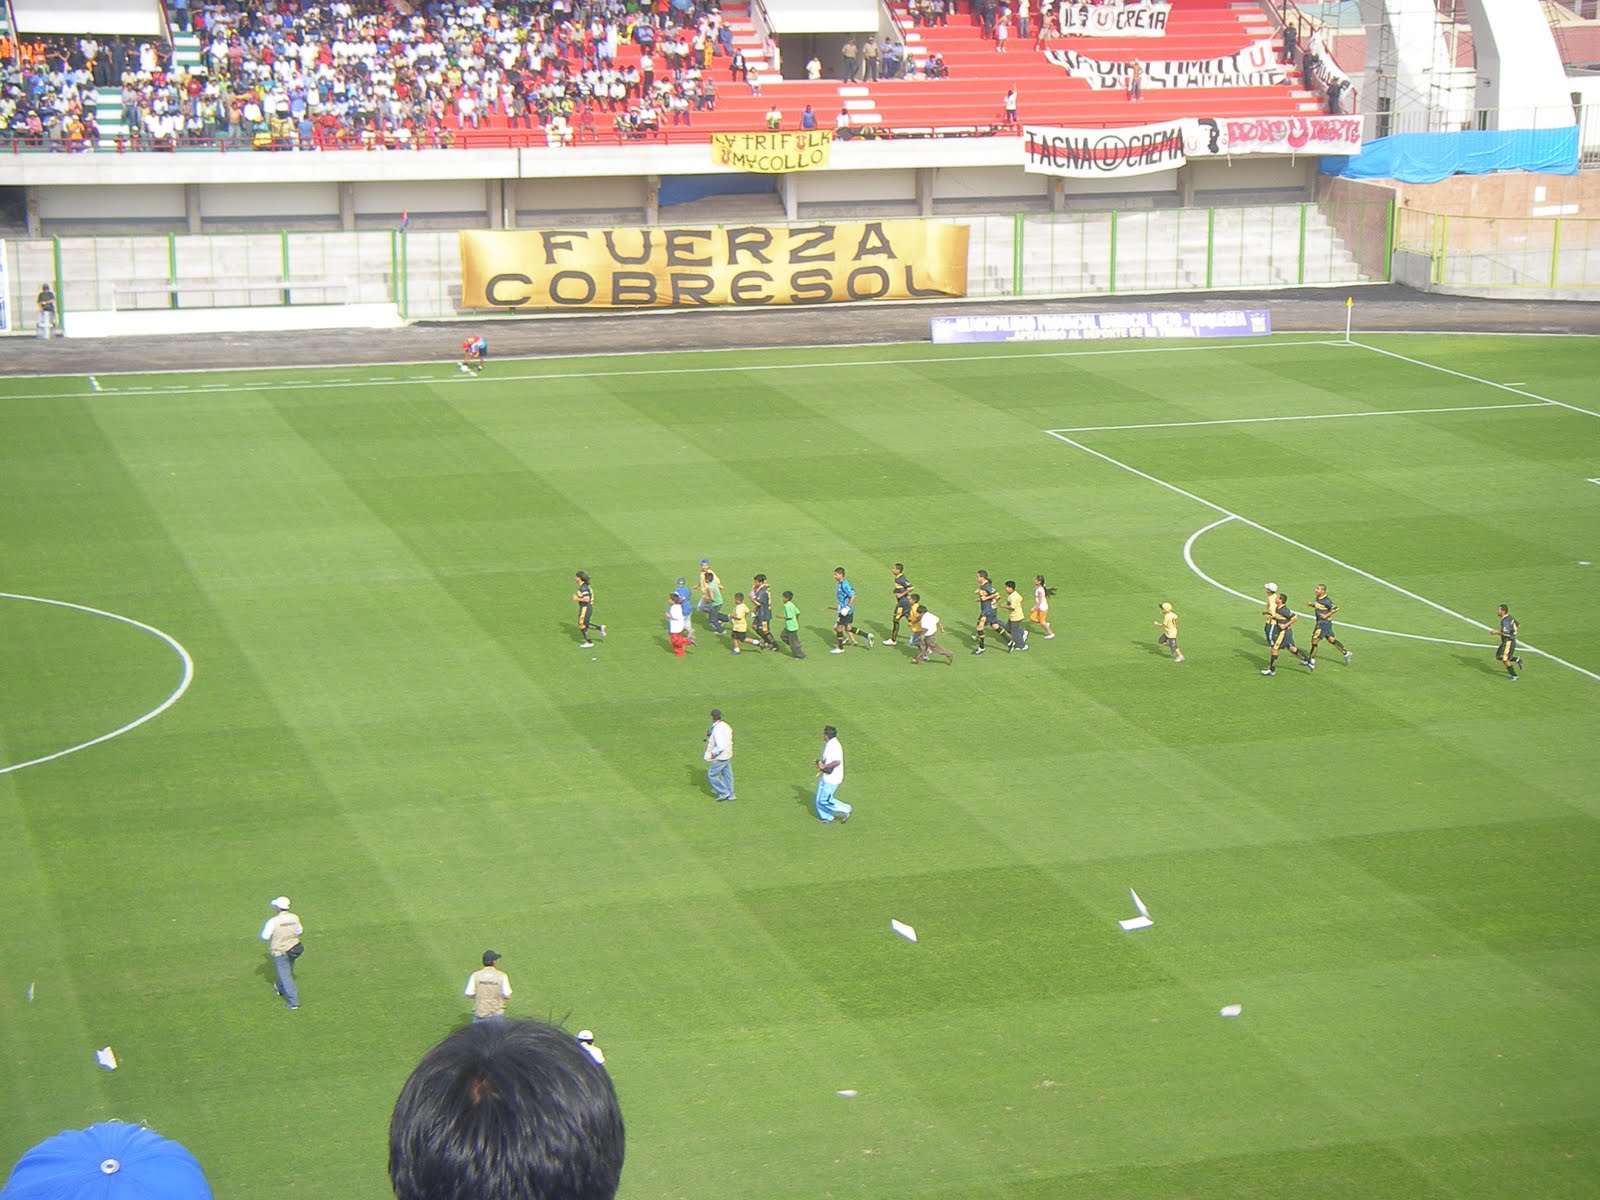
x: 1168, y: 624
x: 741, y: 625
x: 1016, y: 617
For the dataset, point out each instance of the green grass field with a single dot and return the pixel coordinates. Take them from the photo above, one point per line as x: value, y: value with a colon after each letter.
x: 1391, y: 866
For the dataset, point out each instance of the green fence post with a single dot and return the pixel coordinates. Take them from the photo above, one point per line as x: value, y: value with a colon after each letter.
x: 60, y: 288
x: 172, y: 270
x: 1016, y: 254
x: 1441, y: 239
x: 283, y: 257
x: 1302, y: 270
x: 1555, y: 253
x: 405, y: 278
x: 1111, y: 283
x: 1390, y: 228
x: 1211, y: 243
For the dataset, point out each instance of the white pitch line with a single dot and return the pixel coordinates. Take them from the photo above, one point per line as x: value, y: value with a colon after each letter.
x: 1393, y: 412
x: 1188, y: 558
x: 1338, y: 562
x: 177, y: 694
x: 538, y: 377
x: 1514, y: 389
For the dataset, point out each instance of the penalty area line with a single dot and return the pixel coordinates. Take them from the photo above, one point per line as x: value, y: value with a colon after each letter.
x: 1514, y: 389
x: 1229, y: 514
x: 1392, y: 412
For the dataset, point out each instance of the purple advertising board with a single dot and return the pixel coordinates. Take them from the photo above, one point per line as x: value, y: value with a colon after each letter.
x: 1100, y: 327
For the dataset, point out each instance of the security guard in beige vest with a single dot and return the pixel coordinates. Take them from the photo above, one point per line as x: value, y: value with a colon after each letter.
x: 489, y: 989
x: 282, y: 935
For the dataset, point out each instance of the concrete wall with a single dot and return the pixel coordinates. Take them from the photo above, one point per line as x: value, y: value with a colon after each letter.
x: 197, y: 192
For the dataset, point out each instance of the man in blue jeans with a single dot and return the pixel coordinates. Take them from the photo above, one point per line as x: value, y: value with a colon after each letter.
x: 282, y: 933
x: 719, y: 756
x: 830, y: 809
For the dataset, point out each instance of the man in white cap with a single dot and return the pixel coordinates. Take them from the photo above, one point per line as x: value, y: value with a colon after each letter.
x: 282, y: 935
x: 489, y: 989
x: 586, y: 1040
x: 1270, y: 612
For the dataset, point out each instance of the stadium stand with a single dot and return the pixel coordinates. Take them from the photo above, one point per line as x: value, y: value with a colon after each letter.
x: 380, y: 74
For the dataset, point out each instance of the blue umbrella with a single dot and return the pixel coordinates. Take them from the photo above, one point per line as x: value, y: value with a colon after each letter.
x: 109, y: 1161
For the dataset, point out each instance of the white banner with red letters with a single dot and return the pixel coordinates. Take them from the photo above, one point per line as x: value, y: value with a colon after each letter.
x: 1141, y: 149
x: 1113, y: 18
x: 1224, y: 137
x: 1100, y: 153
x: 1256, y: 65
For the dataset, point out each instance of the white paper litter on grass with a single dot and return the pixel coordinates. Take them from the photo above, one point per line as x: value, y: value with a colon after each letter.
x: 1143, y: 920
x: 30, y: 993
x: 903, y: 930
x: 1232, y: 1010
x: 845, y: 1092
x: 106, y: 1058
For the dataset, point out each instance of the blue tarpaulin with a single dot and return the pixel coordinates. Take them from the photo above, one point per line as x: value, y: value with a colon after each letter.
x: 1430, y: 157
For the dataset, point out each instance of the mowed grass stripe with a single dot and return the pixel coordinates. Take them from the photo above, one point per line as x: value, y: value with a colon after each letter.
x: 736, y: 959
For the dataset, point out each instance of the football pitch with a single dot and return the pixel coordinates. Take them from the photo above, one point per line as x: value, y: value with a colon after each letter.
x: 308, y: 631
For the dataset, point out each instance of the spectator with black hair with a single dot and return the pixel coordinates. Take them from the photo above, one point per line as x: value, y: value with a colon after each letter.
x: 507, y: 1110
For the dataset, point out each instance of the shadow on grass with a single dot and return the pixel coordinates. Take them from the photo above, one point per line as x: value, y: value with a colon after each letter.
x: 806, y: 798
x: 1478, y: 664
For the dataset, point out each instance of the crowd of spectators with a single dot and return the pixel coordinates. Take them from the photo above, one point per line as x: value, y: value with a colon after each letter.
x: 48, y: 86
x: 285, y: 74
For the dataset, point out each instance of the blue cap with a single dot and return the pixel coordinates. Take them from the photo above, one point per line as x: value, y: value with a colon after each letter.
x: 109, y: 1161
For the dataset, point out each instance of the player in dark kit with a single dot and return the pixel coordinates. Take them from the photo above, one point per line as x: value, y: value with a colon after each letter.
x: 761, y: 600
x: 1323, y: 608
x: 902, y: 604
x: 1283, y: 637
x: 584, y: 598
x: 987, y: 617
x: 1507, y: 654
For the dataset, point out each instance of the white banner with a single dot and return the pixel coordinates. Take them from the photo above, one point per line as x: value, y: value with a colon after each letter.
x: 1226, y: 136
x: 1098, y: 153
x: 1116, y: 18
x: 5, y: 290
x: 1256, y: 65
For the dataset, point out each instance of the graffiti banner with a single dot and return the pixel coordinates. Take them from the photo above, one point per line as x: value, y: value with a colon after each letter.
x: 1256, y: 65
x: 772, y: 153
x: 1226, y: 136
x: 1114, y: 19
x: 695, y: 266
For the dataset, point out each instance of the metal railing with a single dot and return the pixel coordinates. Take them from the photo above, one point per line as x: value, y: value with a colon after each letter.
x: 1544, y: 254
x: 1011, y: 255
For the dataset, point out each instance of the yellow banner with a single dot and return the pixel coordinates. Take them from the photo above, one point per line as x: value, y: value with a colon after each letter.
x: 772, y: 153
x: 694, y: 266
